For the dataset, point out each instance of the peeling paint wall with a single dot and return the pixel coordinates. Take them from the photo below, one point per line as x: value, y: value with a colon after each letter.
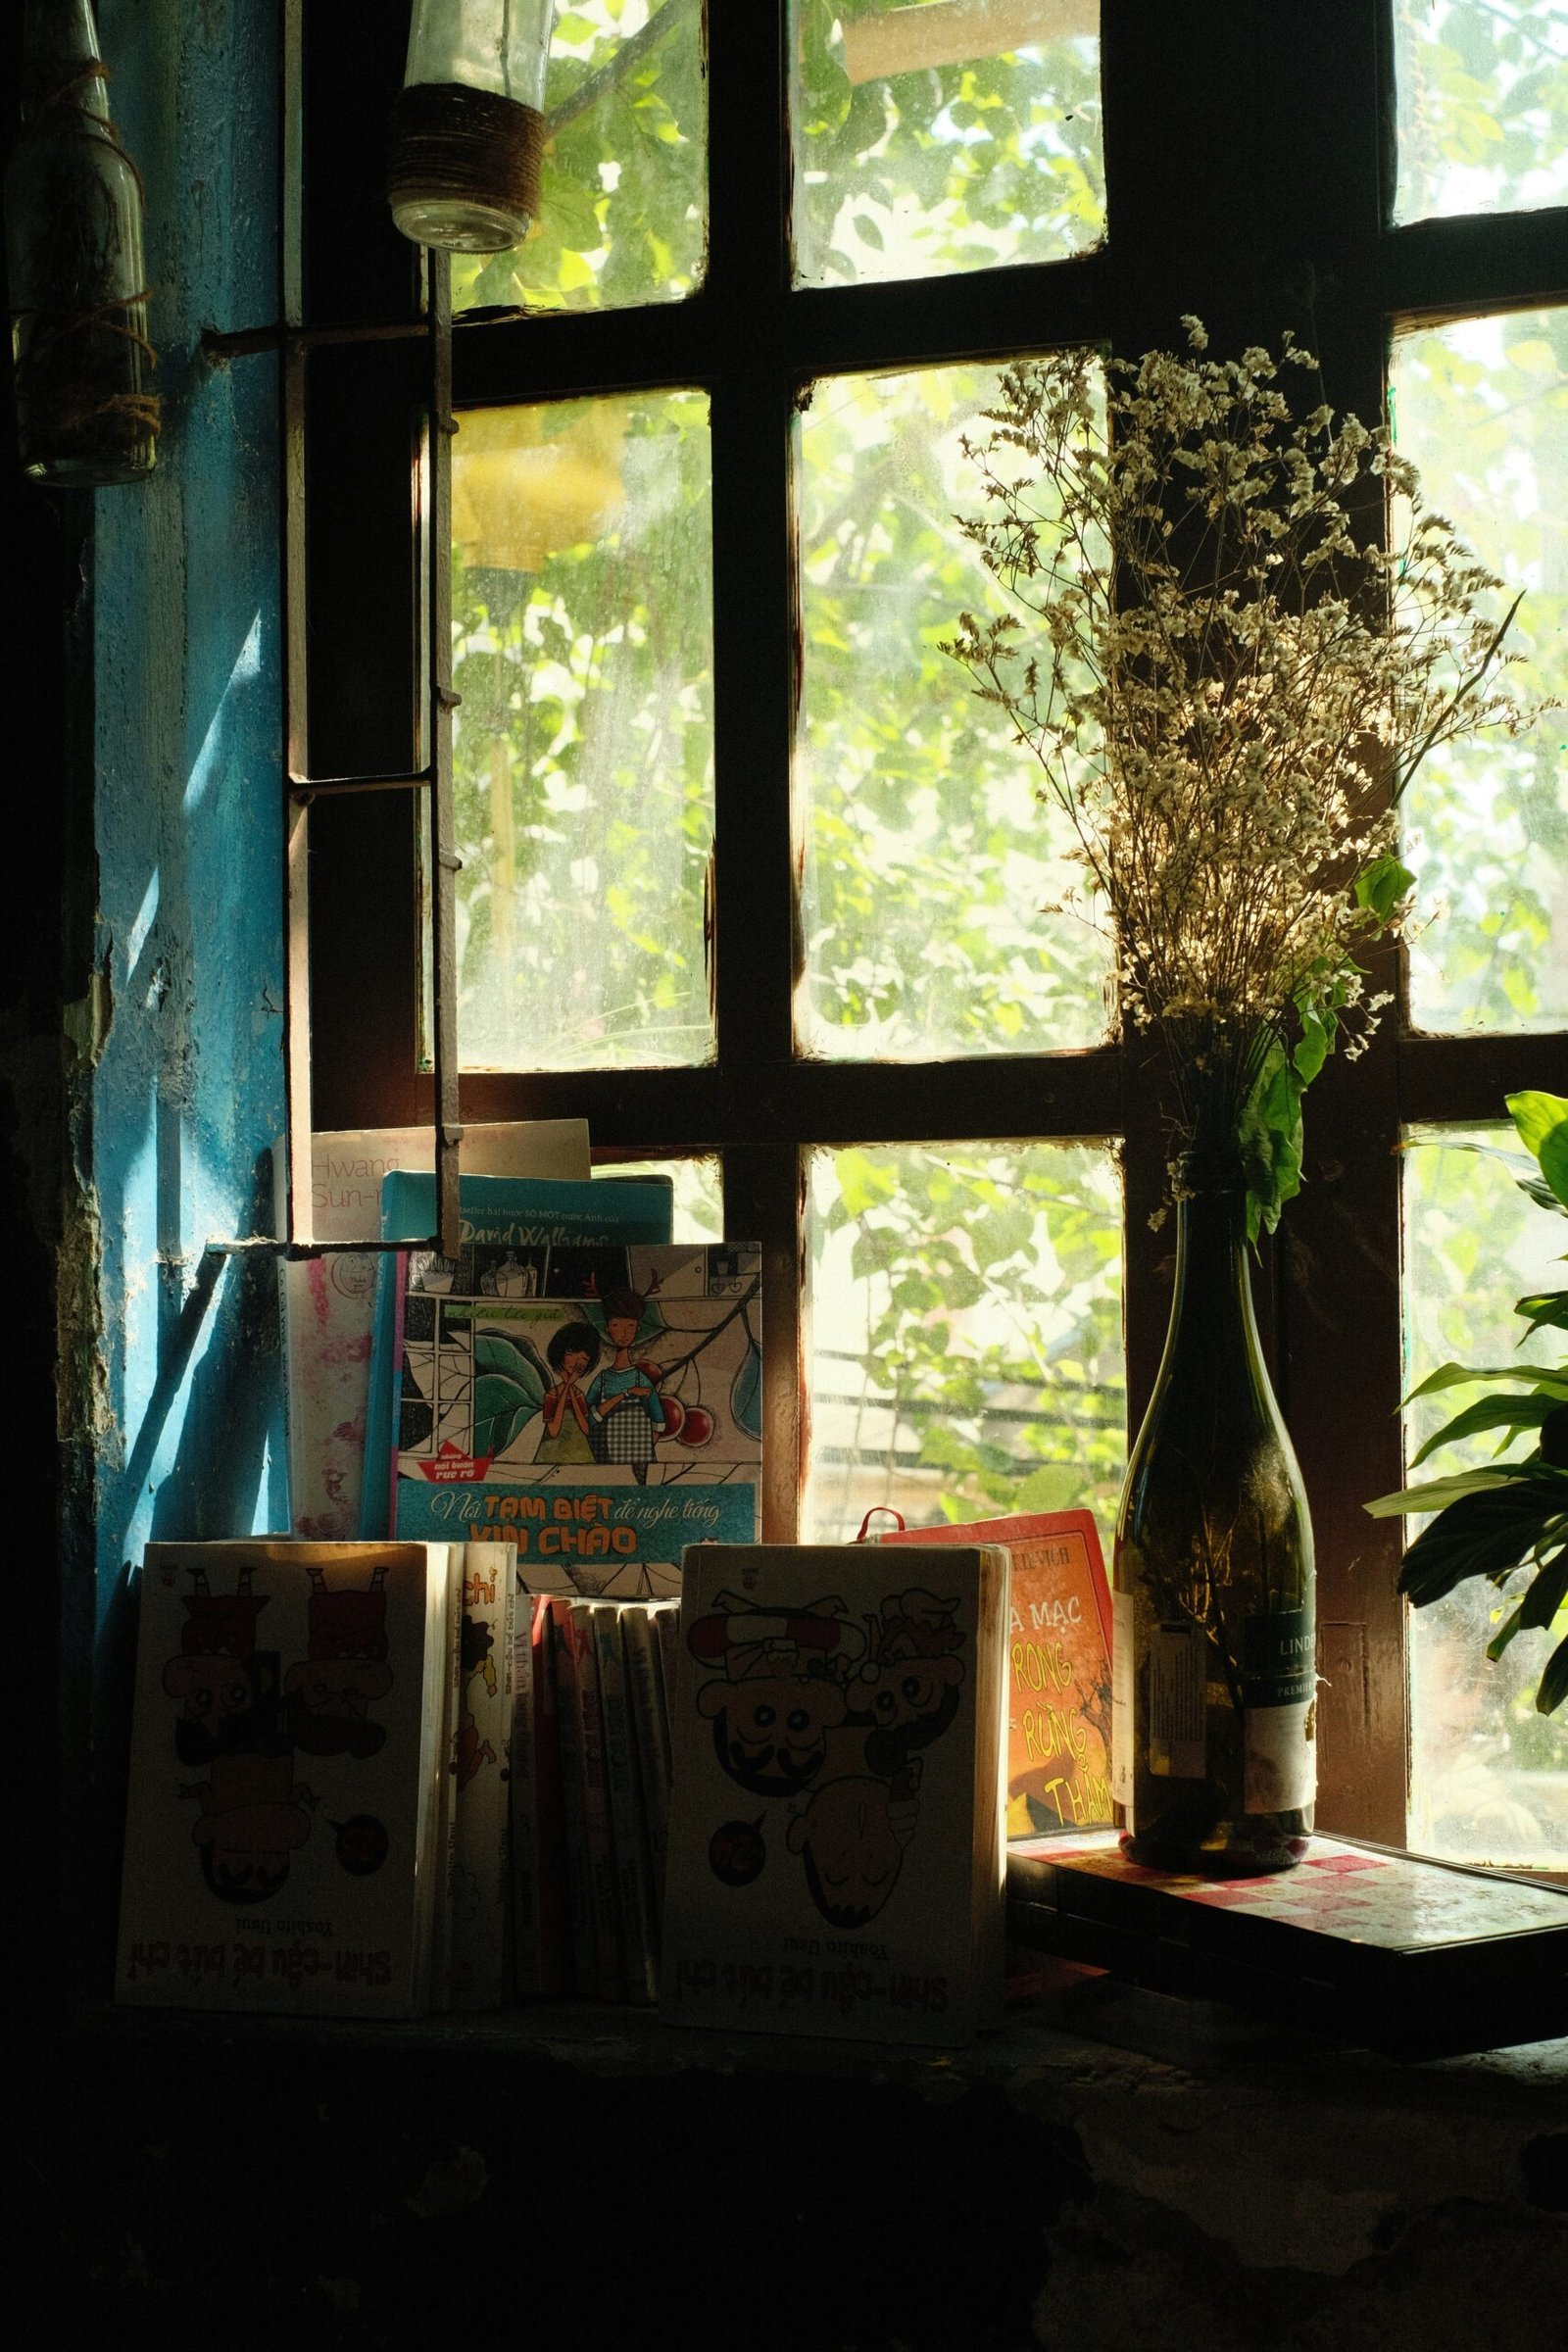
x: 172, y: 1359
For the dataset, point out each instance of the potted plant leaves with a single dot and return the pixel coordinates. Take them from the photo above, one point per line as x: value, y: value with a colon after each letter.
x: 1510, y: 1518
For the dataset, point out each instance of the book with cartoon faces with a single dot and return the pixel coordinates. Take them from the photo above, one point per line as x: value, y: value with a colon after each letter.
x: 285, y: 1763
x: 835, y: 1835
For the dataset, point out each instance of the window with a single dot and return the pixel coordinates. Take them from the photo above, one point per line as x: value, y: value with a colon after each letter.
x: 745, y: 877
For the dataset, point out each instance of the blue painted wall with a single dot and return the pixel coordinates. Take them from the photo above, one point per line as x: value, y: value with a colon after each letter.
x: 187, y: 1093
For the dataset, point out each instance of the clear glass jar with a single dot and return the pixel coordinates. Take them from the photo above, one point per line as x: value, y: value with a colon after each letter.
x: 468, y: 129
x: 85, y: 412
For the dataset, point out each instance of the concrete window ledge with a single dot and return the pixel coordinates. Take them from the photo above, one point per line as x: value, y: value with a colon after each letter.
x: 1115, y: 2172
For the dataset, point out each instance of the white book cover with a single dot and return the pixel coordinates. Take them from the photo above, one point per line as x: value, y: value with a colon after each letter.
x: 328, y: 1301
x: 836, y: 1862
x: 479, y: 1765
x: 285, y: 1755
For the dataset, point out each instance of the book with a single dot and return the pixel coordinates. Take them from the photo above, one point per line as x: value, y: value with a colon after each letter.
x: 541, y: 1965
x: 628, y: 1829
x: 836, y: 1857
x: 479, y: 1761
x: 328, y: 1301
x: 577, y: 1877
x: 1060, y: 1651
x: 599, y: 1407
x: 603, y: 1877
x: 645, y: 1679
x: 281, y: 1829
x: 1412, y: 1955
x: 517, y: 1235
x: 444, y: 1916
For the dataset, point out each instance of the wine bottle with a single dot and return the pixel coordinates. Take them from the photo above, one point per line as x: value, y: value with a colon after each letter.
x: 86, y: 413
x: 1215, y: 1718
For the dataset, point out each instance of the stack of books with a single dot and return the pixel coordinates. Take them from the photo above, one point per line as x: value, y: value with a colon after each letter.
x: 385, y: 1778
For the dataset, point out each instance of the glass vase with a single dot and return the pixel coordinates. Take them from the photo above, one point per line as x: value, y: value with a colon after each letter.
x: 468, y: 133
x: 87, y: 413
x: 1213, y: 1755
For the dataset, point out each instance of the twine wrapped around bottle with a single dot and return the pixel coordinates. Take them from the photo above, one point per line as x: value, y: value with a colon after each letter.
x: 459, y: 145
x: 83, y: 404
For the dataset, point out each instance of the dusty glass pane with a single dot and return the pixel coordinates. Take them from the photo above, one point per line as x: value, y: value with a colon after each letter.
x: 1482, y: 408
x: 966, y: 1333
x: 623, y: 206
x: 944, y: 136
x: 927, y: 858
x: 699, y: 1192
x: 582, y: 649
x: 1482, y: 106
x: 1489, y: 1777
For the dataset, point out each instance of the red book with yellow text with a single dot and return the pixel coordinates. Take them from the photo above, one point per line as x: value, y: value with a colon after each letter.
x: 1059, y: 1657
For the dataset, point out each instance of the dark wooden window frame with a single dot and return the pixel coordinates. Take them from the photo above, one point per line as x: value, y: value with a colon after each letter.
x: 1248, y: 161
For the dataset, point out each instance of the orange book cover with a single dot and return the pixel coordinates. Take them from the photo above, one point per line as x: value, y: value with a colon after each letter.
x: 1059, y: 1652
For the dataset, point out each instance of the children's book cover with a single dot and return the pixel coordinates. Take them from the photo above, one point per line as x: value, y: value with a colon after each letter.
x: 835, y: 1852
x: 599, y: 1407
x: 1059, y: 1649
x: 328, y: 1301
x: 508, y: 1230
x: 285, y: 1753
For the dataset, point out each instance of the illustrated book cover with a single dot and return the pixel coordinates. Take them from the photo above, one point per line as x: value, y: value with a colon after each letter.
x: 511, y: 1230
x: 836, y: 1856
x: 328, y: 1301
x: 598, y: 1406
x: 281, y: 1830
x: 1059, y: 1654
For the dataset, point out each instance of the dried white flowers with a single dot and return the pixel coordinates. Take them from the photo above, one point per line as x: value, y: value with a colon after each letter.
x: 1228, y: 681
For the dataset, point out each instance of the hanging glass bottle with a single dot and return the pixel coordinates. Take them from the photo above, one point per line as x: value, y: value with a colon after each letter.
x: 86, y: 410
x: 468, y: 131
x: 1215, y: 1751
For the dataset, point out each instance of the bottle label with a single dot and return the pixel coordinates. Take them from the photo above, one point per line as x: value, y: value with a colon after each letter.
x: 1281, y: 1758
x: 1123, y: 1694
x: 1279, y: 1664
x: 1279, y: 1677
x: 1178, y: 1748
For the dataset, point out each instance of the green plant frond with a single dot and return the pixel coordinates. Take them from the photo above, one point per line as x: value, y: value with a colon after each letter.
x: 1554, y: 1680
x: 1545, y: 1378
x: 1542, y: 1309
x: 1506, y: 1633
x: 1543, y: 1123
x: 1548, y: 1593
x: 1478, y: 1533
x: 1438, y: 1493
x: 1507, y: 1413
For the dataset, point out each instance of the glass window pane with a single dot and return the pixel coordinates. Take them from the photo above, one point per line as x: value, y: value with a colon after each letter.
x: 1482, y: 106
x: 699, y: 1192
x: 1481, y: 405
x: 623, y: 204
x: 582, y: 633
x: 1489, y: 1777
x: 928, y: 860
x: 965, y: 1322
x: 943, y: 136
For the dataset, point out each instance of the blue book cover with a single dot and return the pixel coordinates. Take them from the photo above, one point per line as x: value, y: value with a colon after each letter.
x: 512, y: 1228
x: 597, y: 1405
